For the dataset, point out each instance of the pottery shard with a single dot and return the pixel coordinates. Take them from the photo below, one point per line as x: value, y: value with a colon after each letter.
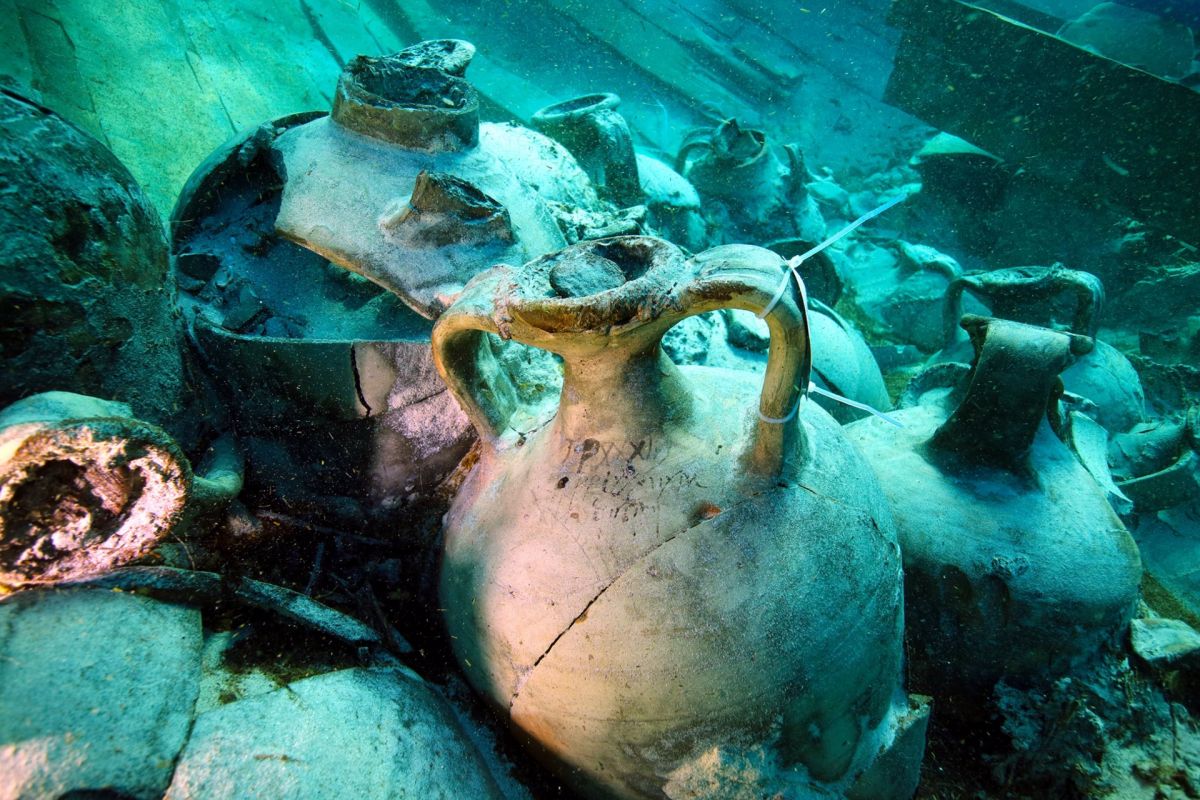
x: 84, y: 487
x: 1165, y: 643
x: 366, y: 734
x: 446, y: 210
x: 96, y: 693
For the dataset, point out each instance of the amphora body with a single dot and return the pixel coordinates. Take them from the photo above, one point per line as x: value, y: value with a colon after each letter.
x: 674, y: 574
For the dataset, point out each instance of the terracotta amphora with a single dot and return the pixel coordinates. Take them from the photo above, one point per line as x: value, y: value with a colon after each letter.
x: 1016, y: 567
x: 675, y: 570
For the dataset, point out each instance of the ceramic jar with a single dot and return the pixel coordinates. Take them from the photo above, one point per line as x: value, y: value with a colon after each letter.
x: 749, y: 193
x: 598, y: 136
x: 1044, y: 296
x: 1157, y: 464
x: 286, y: 241
x: 403, y: 184
x: 672, y: 565
x: 84, y: 305
x: 1015, y: 565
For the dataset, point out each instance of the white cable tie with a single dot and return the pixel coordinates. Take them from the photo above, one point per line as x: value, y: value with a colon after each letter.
x: 875, y: 212
x: 783, y: 284
x: 794, y: 263
x: 800, y: 285
x: 793, y: 267
x: 789, y: 417
x: 812, y: 387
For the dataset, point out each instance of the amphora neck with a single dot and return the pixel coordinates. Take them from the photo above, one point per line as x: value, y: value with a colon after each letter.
x: 416, y: 98
x: 603, y: 307
x: 622, y: 395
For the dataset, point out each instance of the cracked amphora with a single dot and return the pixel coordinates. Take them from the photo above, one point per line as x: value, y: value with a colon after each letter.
x: 672, y: 573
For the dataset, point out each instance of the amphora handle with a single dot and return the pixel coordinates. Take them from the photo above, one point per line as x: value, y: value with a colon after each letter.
x: 1010, y: 292
x: 734, y: 276
x: 749, y: 278
x: 464, y: 358
x: 1013, y: 380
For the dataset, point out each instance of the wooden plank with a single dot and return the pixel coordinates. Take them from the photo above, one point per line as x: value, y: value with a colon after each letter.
x: 1103, y: 131
x: 53, y: 66
x: 705, y: 43
x: 757, y: 45
x: 506, y: 94
x: 1022, y: 13
x: 164, y: 82
x: 157, y: 116
x: 847, y: 40
x: 647, y: 48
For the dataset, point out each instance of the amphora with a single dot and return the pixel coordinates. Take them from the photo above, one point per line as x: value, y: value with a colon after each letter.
x: 1043, y: 296
x: 1016, y: 567
x: 675, y: 571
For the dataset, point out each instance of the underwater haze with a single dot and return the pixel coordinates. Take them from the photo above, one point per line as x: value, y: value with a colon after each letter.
x: 532, y: 399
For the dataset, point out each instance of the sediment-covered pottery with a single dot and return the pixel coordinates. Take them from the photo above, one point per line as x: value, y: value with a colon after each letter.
x: 671, y: 572
x: 598, y: 136
x: 1015, y: 565
x: 84, y: 487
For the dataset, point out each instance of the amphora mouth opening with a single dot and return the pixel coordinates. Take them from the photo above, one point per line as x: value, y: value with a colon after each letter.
x: 597, y: 286
x: 416, y: 102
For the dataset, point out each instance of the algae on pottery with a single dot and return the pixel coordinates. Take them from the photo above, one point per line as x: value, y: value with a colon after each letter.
x: 83, y: 302
x: 671, y: 566
x: 597, y: 135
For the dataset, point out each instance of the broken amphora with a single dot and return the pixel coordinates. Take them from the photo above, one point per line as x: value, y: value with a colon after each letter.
x: 672, y: 564
x: 86, y: 487
x: 328, y: 376
x: 403, y: 184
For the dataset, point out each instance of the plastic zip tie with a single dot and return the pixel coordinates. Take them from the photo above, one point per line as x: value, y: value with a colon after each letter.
x: 783, y: 284
x: 794, y: 264
x: 789, y: 417
x: 812, y: 387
